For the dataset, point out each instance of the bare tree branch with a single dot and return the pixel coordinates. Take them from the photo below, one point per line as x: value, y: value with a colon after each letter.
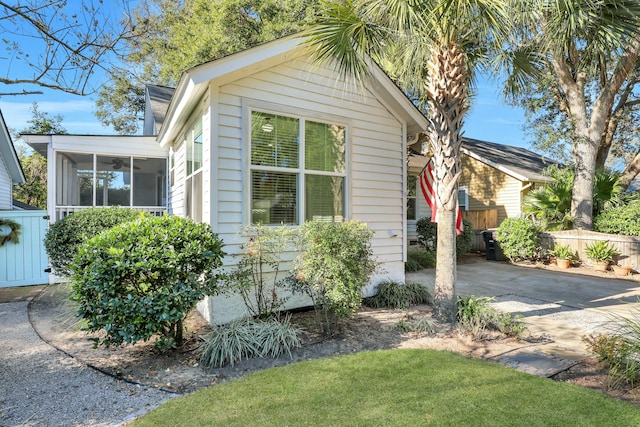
x: 62, y: 44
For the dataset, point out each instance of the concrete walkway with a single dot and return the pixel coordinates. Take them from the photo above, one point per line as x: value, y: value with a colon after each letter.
x: 558, y: 305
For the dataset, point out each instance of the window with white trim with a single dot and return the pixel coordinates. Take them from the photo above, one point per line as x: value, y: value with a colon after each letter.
x: 463, y: 198
x: 193, y: 190
x: 297, y: 169
x: 412, y: 203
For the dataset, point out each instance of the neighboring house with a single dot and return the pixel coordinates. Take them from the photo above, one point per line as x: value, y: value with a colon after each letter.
x: 22, y: 261
x: 265, y: 135
x: 495, y: 179
x: 10, y: 169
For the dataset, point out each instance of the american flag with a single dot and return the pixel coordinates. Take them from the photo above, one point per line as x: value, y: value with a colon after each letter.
x: 428, y: 187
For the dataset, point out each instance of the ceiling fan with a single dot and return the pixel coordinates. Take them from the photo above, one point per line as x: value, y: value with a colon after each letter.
x: 117, y: 163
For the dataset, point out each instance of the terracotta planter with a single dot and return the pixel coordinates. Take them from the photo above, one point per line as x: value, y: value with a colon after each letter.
x: 563, y: 263
x: 621, y: 270
x: 600, y: 265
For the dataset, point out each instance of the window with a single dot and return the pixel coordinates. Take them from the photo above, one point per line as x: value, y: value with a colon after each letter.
x: 463, y: 198
x: 194, y: 171
x: 298, y: 169
x: 412, y: 182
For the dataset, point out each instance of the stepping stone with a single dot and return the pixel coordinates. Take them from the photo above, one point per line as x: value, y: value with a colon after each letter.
x: 535, y: 362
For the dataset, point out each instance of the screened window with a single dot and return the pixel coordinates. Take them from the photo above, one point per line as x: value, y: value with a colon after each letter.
x: 110, y: 180
x: 297, y: 170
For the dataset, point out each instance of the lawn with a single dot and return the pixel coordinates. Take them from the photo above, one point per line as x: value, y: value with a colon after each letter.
x: 393, y: 387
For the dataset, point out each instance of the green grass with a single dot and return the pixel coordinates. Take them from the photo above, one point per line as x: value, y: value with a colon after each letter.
x: 393, y: 388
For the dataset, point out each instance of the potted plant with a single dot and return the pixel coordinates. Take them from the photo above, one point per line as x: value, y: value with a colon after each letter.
x: 564, y: 254
x: 621, y: 270
x: 601, y: 253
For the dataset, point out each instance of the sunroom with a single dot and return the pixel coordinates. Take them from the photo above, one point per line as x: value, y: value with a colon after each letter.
x: 100, y: 171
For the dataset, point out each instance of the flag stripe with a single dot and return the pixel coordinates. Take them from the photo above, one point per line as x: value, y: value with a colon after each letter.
x: 428, y: 187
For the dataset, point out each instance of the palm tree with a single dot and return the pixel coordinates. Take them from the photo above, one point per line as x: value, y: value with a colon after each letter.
x: 432, y: 49
x: 590, y: 49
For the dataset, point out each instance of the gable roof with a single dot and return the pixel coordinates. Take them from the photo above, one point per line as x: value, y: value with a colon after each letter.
x: 9, y: 155
x: 158, y: 99
x: 194, y: 82
x: 520, y: 163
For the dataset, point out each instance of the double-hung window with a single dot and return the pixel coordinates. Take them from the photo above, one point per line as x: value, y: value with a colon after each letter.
x: 194, y: 171
x: 297, y: 169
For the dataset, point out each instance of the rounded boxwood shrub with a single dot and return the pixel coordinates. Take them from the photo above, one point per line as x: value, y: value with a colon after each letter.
x: 65, y: 236
x: 141, y: 278
x: 428, y: 236
x: 518, y: 238
x: 619, y: 220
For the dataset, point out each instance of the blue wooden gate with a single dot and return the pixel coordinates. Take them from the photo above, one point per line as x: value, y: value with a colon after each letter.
x: 23, y: 263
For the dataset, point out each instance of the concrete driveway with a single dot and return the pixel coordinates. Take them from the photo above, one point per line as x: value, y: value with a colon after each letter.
x: 556, y: 304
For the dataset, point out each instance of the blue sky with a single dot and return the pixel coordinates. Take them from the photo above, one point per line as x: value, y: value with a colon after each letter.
x: 489, y: 118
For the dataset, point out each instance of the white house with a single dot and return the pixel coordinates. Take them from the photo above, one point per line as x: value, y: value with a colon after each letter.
x: 10, y: 169
x: 265, y: 135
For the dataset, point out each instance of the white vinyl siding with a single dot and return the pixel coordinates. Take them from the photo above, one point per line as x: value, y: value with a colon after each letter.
x: 373, y: 179
x: 6, y: 186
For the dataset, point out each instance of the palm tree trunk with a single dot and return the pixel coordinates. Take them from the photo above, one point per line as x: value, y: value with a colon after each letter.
x: 444, y: 296
x: 447, y: 94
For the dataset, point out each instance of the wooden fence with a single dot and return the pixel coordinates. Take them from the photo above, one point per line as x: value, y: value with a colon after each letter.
x: 629, y: 246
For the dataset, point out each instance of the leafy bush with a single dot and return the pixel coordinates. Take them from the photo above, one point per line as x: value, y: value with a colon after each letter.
x: 417, y: 260
x: 412, y: 265
x: 65, y: 236
x: 619, y: 220
x: 334, y: 265
x: 246, y: 338
x: 392, y: 294
x: 428, y: 236
x: 256, y: 277
x: 142, y: 278
x: 518, y: 238
x: 476, y: 316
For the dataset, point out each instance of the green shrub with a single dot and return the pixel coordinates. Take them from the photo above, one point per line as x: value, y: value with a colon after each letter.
x: 247, y: 338
x: 422, y: 258
x: 141, y: 278
x: 619, y: 220
x: 475, y: 315
x: 65, y: 236
x: 518, y: 238
x: 427, y: 233
x: 392, y: 294
x: 428, y: 236
x: 412, y: 265
x: 335, y: 263
x: 257, y: 275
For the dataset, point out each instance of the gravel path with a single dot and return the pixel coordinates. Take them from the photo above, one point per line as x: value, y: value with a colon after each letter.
x: 41, y: 386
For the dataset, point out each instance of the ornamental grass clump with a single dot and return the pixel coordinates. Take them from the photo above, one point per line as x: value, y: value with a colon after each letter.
x: 476, y: 316
x: 247, y: 338
x: 335, y: 262
x: 140, y: 279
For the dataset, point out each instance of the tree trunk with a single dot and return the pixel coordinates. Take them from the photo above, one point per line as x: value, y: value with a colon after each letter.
x: 444, y: 296
x: 584, y: 157
x: 446, y: 90
x: 630, y: 172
